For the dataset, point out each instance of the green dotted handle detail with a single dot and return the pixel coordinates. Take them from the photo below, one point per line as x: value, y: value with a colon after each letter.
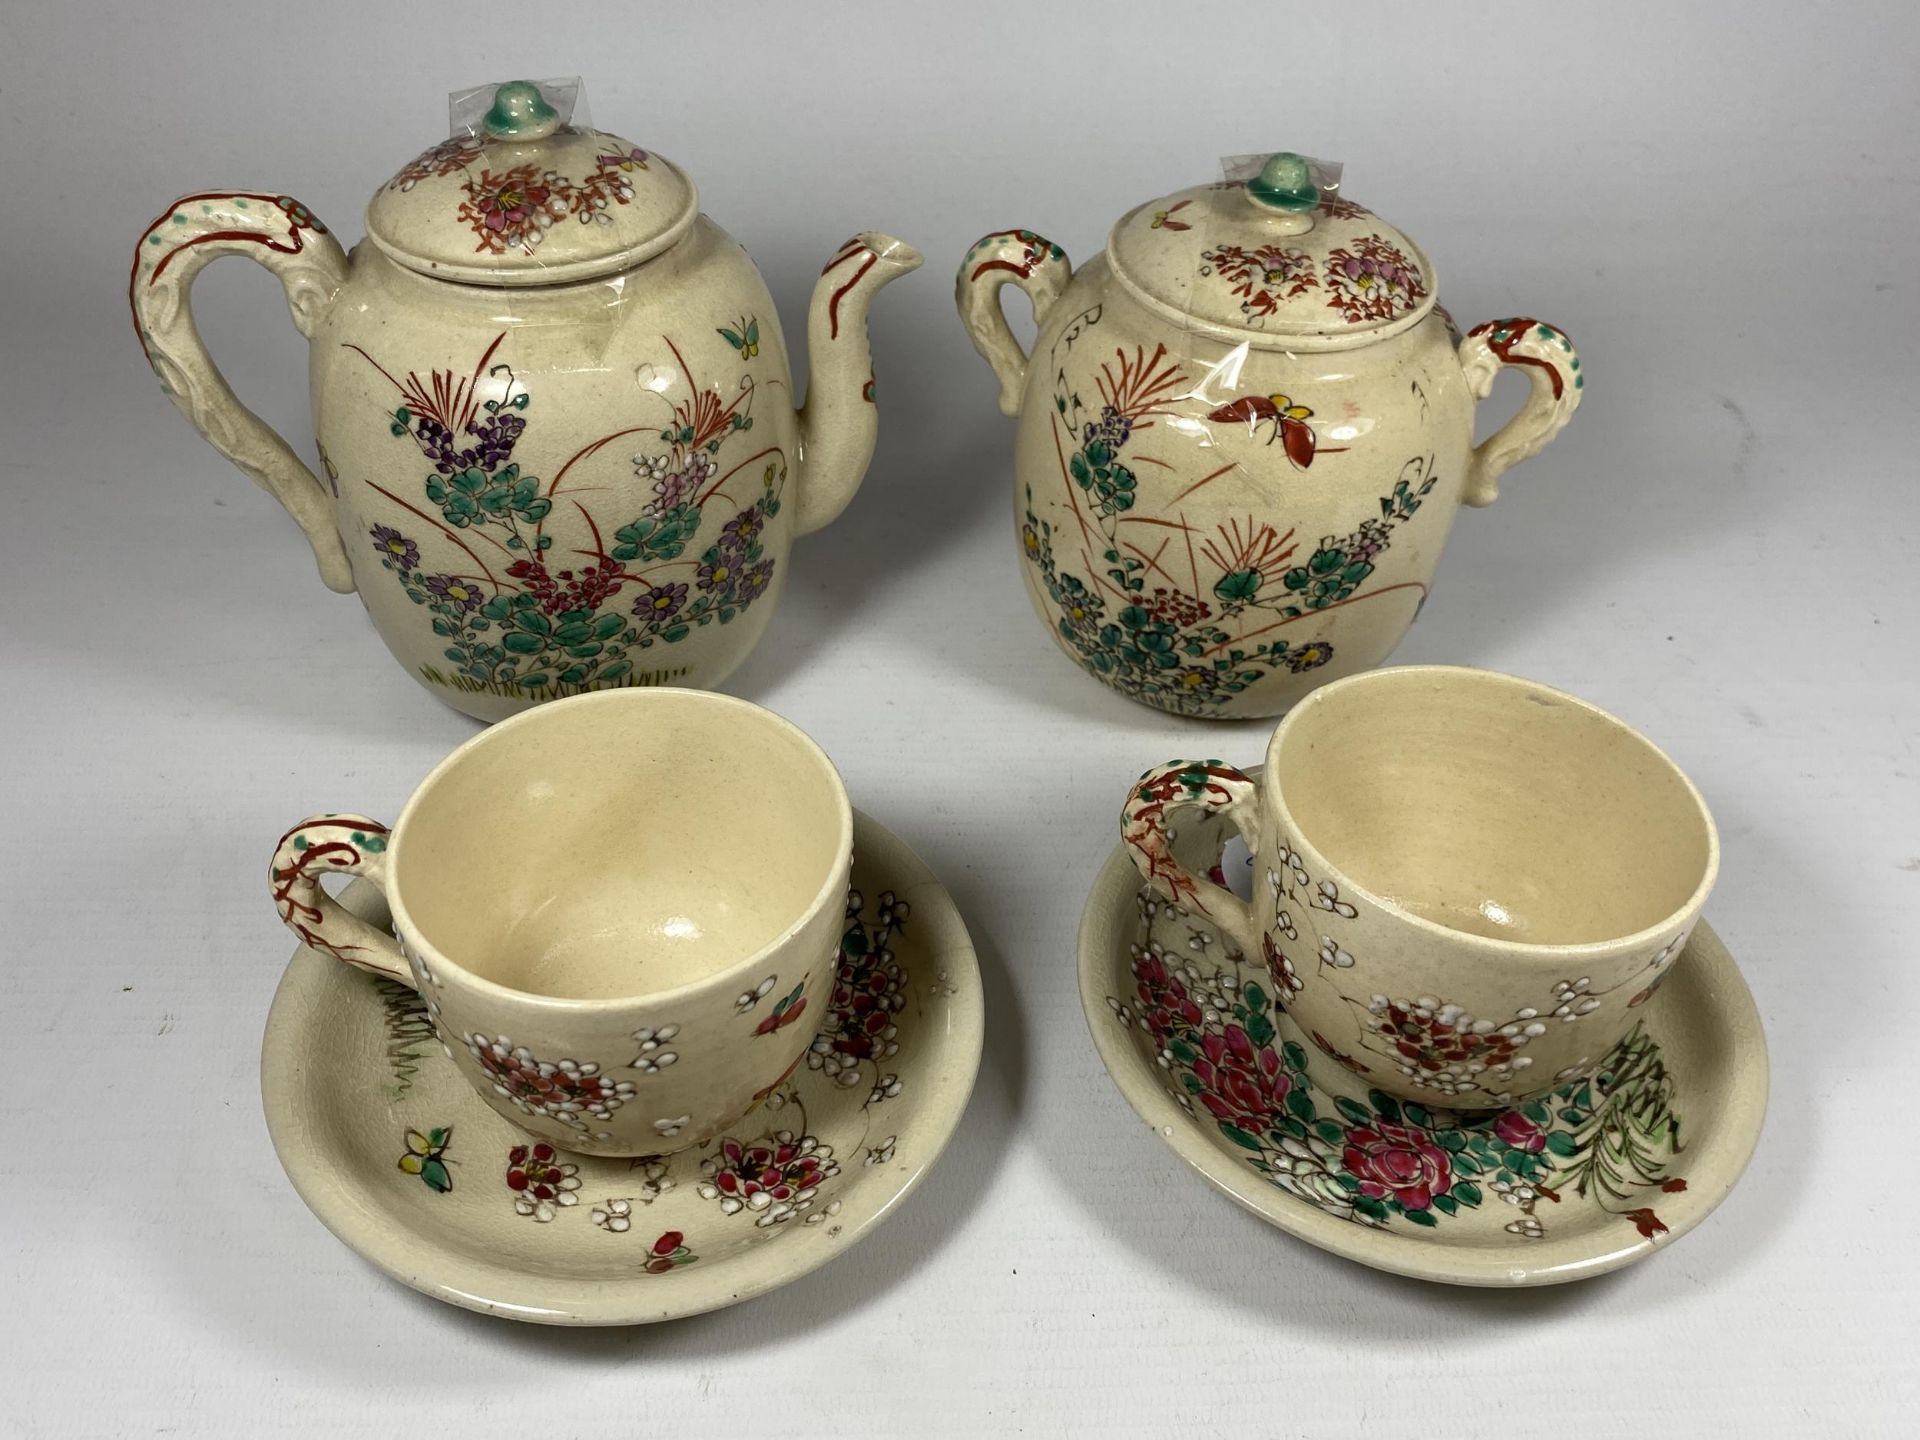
x: 1008, y: 257
x: 1147, y: 830
x: 1551, y: 364
x: 335, y: 845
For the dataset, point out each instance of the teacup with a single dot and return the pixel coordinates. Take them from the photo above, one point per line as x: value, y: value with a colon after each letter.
x: 1466, y: 884
x: 621, y: 908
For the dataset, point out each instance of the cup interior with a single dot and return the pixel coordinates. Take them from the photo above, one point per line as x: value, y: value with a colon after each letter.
x: 1492, y: 805
x: 621, y: 844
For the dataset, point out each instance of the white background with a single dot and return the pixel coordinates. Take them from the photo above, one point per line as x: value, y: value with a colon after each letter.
x: 1717, y: 201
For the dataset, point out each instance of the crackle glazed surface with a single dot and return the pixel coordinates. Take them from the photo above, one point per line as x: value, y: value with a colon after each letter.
x: 1589, y: 1177
x: 1243, y: 437
x: 1469, y: 885
x: 400, y: 1159
x: 582, y: 469
x: 610, y: 986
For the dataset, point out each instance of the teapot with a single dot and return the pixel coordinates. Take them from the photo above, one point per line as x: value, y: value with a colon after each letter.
x: 1243, y: 433
x: 557, y: 444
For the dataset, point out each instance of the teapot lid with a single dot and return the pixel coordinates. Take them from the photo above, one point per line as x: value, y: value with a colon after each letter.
x: 521, y: 196
x: 1273, y: 256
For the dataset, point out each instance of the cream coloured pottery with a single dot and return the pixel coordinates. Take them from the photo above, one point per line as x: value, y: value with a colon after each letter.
x: 1595, y: 1175
x: 557, y: 440
x: 400, y: 1159
x: 617, y: 909
x: 1472, y: 881
x: 1244, y: 431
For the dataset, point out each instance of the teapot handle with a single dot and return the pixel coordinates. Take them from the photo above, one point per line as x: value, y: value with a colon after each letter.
x: 282, y: 235
x: 1554, y: 369
x: 1008, y: 257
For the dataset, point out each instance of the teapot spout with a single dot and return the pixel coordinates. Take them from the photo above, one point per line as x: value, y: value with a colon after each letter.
x: 838, y: 424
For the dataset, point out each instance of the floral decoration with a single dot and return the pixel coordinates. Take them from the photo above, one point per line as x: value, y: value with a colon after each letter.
x: 514, y: 208
x: 1428, y: 1039
x: 747, y: 999
x: 667, y: 1253
x: 614, y: 1216
x: 869, y: 991
x: 569, y: 1091
x: 1449, y: 1051
x: 774, y: 1178
x: 1372, y: 279
x: 449, y: 157
x: 1385, y: 1162
x: 786, y: 1172
x: 654, y: 1055
x: 1172, y: 639
x: 522, y: 618
x: 542, y: 1184
x: 1262, y: 277
x: 1285, y: 978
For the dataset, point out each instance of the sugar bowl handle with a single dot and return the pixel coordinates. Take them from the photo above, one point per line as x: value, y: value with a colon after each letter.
x: 280, y: 233
x: 335, y: 845
x: 1008, y: 257
x: 1554, y: 369
x: 1146, y: 827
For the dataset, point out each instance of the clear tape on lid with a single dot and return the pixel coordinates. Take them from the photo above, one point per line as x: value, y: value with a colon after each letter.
x: 525, y: 192
x: 1325, y: 174
x: 467, y: 109
x: 1218, y: 362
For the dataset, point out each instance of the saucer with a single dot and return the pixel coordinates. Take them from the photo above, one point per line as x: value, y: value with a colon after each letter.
x: 398, y: 1157
x: 1599, y: 1175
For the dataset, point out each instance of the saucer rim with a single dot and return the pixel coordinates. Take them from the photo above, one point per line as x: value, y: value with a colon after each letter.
x: 396, y: 1251
x: 1723, y: 1153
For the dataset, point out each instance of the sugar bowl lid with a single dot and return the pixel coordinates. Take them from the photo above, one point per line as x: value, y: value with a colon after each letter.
x: 1274, y: 259
x: 522, y: 197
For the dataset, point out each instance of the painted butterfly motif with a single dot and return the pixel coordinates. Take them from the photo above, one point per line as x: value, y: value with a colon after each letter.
x: 1163, y: 219
x: 426, y: 1157
x: 744, y: 336
x: 1289, y: 423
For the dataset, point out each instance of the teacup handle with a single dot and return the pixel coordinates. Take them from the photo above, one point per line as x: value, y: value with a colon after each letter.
x: 335, y: 845
x: 1148, y: 834
x: 1008, y: 257
x: 1552, y: 365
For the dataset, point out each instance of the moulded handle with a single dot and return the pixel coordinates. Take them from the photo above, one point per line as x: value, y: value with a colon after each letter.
x: 1146, y: 827
x: 335, y: 845
x: 1554, y: 368
x: 280, y: 233
x: 1008, y: 257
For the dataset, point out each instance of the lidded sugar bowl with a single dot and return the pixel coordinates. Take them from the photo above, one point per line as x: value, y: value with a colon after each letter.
x: 557, y: 437
x: 1244, y: 430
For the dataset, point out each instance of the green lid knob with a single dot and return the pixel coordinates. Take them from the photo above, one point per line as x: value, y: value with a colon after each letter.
x: 1284, y: 183
x: 520, y: 112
